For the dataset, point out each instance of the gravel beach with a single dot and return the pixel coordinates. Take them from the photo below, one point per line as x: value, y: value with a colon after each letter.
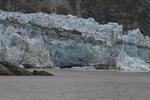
x: 77, y: 85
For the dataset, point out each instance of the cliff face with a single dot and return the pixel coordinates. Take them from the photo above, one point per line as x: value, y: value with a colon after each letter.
x: 130, y: 13
x: 31, y: 6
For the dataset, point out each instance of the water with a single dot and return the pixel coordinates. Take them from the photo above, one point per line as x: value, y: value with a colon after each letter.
x: 77, y: 85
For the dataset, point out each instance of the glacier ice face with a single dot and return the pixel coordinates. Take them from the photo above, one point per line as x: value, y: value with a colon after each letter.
x: 41, y: 40
x: 21, y: 49
x: 128, y: 63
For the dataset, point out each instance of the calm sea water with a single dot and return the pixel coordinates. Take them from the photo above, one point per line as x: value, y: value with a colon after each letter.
x: 77, y: 85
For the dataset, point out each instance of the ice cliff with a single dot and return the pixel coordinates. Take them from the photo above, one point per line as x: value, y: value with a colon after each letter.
x: 51, y: 40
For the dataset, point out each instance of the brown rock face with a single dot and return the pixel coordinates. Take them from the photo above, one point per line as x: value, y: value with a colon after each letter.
x: 7, y: 68
x: 4, y: 70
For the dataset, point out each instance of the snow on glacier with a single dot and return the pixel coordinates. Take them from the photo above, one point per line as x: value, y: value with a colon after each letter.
x: 108, y: 33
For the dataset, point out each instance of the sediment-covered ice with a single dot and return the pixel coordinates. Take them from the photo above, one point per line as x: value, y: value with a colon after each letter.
x: 42, y: 40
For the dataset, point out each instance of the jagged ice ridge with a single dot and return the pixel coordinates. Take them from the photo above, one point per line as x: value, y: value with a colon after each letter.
x: 44, y: 40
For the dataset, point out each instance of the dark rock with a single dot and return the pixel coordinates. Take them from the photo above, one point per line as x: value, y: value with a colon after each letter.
x: 130, y: 13
x: 42, y: 73
x: 101, y: 66
x: 4, y: 70
x: 7, y: 68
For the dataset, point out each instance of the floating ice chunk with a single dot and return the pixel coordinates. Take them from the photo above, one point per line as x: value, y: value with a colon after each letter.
x: 83, y: 68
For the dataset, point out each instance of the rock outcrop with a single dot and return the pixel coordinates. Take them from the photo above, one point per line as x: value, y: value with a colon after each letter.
x: 131, y: 14
x: 7, y: 68
x: 43, y: 40
x: 42, y: 73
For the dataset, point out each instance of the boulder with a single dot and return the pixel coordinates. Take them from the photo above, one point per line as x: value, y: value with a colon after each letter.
x: 8, y: 68
x: 42, y: 73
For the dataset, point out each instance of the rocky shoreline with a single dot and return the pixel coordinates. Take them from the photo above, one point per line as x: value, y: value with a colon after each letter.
x: 8, y: 68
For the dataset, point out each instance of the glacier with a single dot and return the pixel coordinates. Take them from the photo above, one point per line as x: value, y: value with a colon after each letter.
x: 51, y: 40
